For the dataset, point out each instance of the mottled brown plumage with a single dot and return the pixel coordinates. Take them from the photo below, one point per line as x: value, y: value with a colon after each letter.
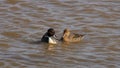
x: 69, y: 37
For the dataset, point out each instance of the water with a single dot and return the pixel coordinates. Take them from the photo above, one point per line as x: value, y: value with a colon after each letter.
x: 25, y: 21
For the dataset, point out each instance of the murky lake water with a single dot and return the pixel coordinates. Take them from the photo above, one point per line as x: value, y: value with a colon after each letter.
x: 25, y: 21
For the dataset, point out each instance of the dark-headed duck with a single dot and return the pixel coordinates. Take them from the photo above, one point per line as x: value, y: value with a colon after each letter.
x: 49, y: 36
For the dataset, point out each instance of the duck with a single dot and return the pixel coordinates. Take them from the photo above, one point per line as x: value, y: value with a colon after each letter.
x: 49, y: 37
x: 69, y: 37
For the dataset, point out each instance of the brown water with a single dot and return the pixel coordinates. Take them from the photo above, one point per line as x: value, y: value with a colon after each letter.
x: 25, y: 21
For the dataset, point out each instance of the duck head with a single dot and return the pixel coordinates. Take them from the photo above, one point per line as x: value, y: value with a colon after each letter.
x: 66, y: 32
x: 51, y: 32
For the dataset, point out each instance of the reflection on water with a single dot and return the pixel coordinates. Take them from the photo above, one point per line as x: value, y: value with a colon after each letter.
x: 24, y: 21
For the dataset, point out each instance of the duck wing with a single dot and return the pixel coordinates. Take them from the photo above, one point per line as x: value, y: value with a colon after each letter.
x: 76, y: 38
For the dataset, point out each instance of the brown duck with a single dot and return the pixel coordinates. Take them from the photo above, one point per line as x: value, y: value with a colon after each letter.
x: 68, y: 37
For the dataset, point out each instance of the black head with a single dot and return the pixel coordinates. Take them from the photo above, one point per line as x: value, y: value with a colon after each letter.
x: 51, y: 32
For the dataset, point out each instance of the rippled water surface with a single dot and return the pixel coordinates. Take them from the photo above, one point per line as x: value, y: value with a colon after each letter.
x: 25, y: 21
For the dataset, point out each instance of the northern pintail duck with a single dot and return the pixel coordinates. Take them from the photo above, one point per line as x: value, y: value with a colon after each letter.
x: 49, y: 37
x: 68, y: 37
